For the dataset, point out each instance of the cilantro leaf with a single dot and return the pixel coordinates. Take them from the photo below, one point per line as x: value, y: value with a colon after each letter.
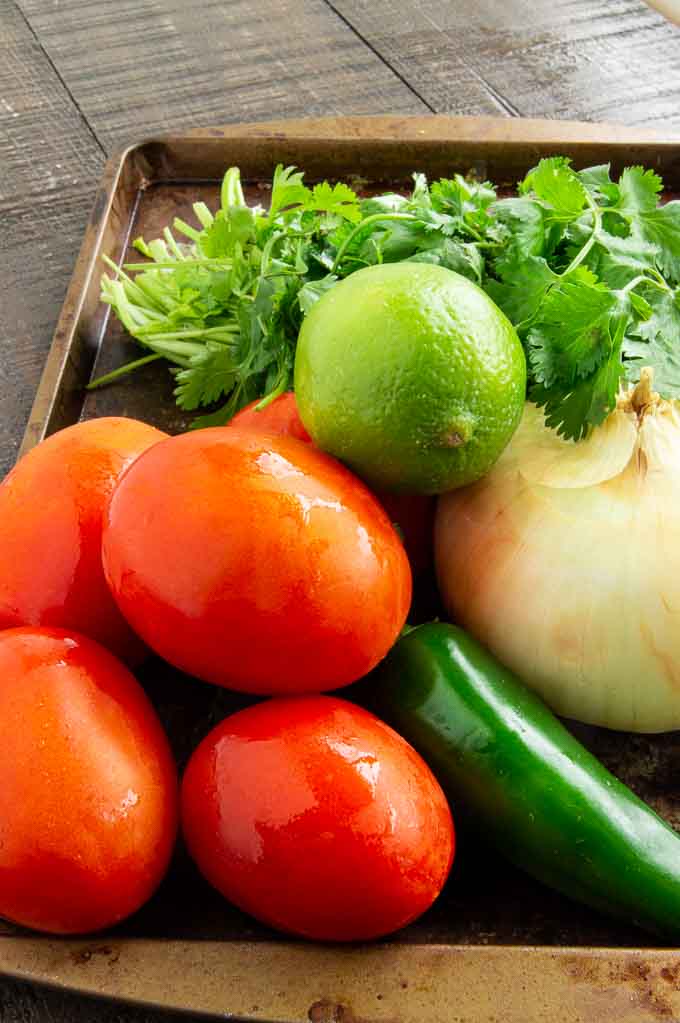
x: 599, y: 184
x: 558, y: 185
x: 616, y: 261
x: 338, y: 199
x: 205, y: 292
x: 586, y: 404
x: 287, y: 190
x: 522, y: 290
x: 228, y: 229
x: 310, y: 292
x: 572, y: 411
x: 661, y: 227
x: 640, y: 306
x: 571, y: 334
x: 456, y: 195
x: 388, y: 203
x: 463, y: 257
x: 663, y: 314
x: 453, y: 206
x: 524, y: 222
x: 210, y: 375
x: 639, y: 190
x: 655, y: 342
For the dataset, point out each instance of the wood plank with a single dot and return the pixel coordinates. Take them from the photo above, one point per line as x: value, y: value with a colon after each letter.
x: 152, y: 67
x: 609, y: 60
x: 50, y: 164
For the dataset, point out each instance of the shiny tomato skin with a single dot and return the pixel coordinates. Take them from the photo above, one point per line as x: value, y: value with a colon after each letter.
x: 51, y: 508
x: 88, y: 786
x: 316, y: 817
x: 413, y: 513
x: 280, y: 416
x: 255, y: 562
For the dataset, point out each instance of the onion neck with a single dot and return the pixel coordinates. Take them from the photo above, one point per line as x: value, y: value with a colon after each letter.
x: 642, y: 398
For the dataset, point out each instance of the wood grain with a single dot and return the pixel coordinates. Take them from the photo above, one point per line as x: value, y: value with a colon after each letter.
x: 159, y: 66
x: 608, y: 60
x: 49, y: 165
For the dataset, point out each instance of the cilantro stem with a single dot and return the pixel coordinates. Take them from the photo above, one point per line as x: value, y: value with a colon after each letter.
x: 581, y: 255
x: 478, y: 237
x: 643, y: 278
x: 173, y: 264
x: 660, y: 278
x: 116, y: 374
x: 186, y: 229
x: 274, y: 394
x: 231, y: 193
x: 180, y: 335
x: 375, y: 218
x: 472, y: 231
x: 172, y: 244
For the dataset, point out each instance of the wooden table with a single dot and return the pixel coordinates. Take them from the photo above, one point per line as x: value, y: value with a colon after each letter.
x: 79, y: 78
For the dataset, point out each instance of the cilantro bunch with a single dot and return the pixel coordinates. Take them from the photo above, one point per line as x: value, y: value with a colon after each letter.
x: 588, y: 272
x: 586, y: 268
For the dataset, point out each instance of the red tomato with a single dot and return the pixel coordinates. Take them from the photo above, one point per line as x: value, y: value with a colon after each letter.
x: 88, y: 788
x: 316, y: 817
x: 413, y: 513
x: 280, y: 416
x: 51, y: 508
x: 255, y: 562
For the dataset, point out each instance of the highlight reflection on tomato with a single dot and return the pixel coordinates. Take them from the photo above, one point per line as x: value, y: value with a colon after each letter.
x: 88, y: 787
x: 255, y: 562
x: 316, y: 817
x: 413, y: 513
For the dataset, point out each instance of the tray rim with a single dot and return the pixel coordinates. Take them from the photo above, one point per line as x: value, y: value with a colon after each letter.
x: 120, y: 964
x: 379, y: 983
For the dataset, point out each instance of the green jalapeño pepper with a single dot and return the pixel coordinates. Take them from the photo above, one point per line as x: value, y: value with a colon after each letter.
x: 547, y: 803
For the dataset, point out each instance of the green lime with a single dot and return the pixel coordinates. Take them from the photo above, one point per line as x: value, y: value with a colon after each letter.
x: 411, y: 375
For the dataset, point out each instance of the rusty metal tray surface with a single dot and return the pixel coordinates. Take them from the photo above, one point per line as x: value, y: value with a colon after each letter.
x: 496, y: 946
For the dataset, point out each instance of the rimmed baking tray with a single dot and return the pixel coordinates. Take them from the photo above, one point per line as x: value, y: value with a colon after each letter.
x: 496, y: 946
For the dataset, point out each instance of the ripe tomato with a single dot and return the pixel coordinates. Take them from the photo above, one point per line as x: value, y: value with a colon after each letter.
x: 413, y: 513
x: 51, y: 507
x: 88, y: 788
x: 255, y: 562
x: 316, y: 817
x: 280, y: 416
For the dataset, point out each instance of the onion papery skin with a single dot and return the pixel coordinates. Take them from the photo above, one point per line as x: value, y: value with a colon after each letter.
x: 573, y: 579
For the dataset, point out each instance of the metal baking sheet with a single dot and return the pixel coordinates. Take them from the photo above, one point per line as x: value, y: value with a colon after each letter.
x: 496, y: 946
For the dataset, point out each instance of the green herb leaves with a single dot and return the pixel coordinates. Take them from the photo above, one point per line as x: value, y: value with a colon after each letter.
x: 568, y: 338
x: 225, y: 306
x: 558, y: 187
x: 588, y: 271
x: 587, y: 268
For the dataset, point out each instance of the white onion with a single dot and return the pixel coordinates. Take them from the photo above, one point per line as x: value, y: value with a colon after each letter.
x: 565, y: 562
